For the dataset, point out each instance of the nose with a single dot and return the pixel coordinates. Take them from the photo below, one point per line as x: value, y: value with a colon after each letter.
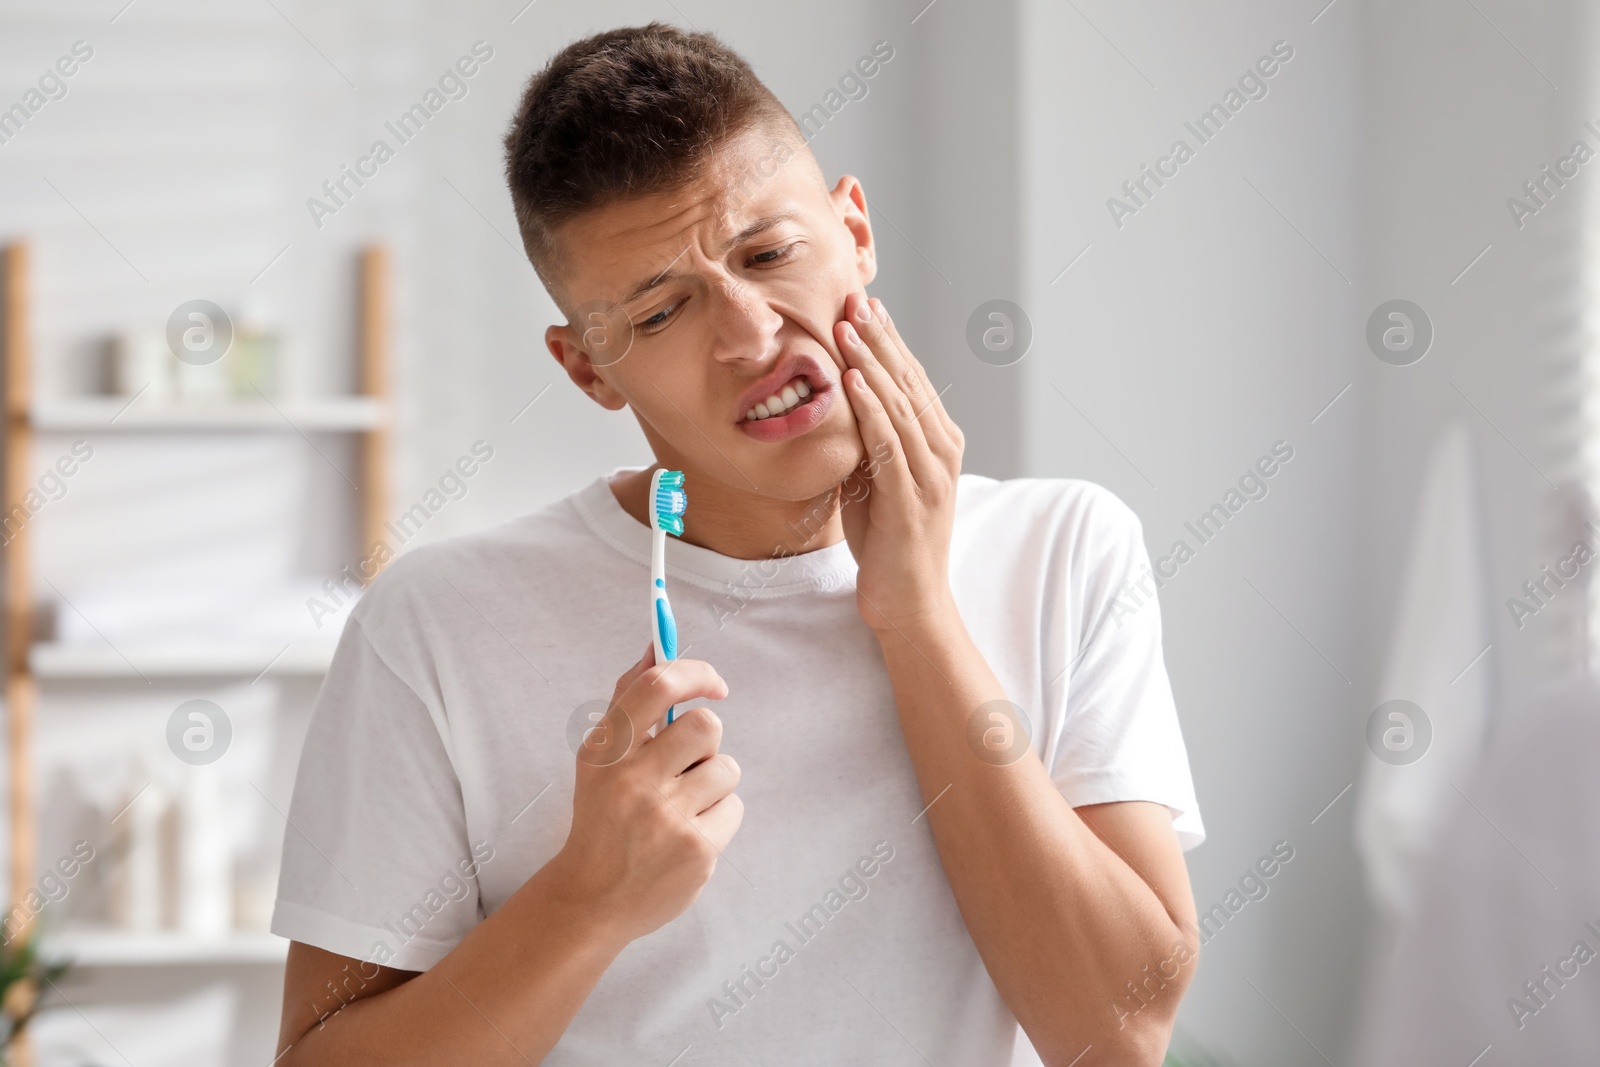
x: 744, y: 326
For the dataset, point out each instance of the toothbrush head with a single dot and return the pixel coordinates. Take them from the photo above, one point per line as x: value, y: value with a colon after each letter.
x: 668, y: 502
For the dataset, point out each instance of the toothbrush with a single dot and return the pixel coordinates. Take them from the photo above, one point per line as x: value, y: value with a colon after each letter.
x: 667, y: 505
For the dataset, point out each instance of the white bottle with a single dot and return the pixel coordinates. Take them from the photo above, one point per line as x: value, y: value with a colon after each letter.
x: 143, y: 365
x: 205, y: 857
x: 136, y: 902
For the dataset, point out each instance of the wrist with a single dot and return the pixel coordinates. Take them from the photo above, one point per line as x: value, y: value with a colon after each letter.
x: 935, y: 624
x: 566, y: 903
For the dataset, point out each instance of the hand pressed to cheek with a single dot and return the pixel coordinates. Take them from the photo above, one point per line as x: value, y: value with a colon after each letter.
x: 929, y: 439
x: 883, y: 441
x: 882, y: 453
x: 941, y: 430
x: 900, y: 534
x: 870, y: 355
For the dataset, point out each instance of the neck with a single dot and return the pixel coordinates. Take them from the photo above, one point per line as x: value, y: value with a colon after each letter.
x: 739, y: 524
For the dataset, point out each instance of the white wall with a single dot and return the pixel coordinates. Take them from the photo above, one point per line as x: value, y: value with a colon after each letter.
x: 1460, y: 122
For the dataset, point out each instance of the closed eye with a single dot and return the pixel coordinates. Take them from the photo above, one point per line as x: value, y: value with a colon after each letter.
x: 660, y: 318
x: 776, y: 255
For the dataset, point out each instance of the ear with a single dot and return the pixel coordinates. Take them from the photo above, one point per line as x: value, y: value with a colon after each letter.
x: 565, y: 344
x: 850, y: 204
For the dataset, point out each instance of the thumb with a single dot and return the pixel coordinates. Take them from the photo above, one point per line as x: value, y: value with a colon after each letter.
x: 854, y: 516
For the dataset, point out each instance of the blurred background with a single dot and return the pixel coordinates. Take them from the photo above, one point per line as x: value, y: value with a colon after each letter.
x: 1376, y: 260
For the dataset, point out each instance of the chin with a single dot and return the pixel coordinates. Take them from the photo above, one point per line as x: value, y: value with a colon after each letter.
x: 811, y: 466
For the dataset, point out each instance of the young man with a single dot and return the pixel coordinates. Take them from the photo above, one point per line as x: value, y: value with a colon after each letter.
x: 902, y: 877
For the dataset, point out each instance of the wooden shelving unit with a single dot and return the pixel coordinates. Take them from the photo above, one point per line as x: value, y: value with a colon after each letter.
x: 71, y: 662
x: 112, y: 414
x: 27, y: 664
x: 21, y: 688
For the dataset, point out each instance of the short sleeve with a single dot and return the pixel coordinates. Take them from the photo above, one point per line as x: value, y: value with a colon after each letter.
x: 1120, y: 739
x: 376, y: 860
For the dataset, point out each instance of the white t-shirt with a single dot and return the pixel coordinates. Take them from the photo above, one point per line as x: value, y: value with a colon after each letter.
x: 438, y: 771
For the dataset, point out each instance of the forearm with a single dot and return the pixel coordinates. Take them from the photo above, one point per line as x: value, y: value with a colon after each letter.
x: 504, y: 995
x: 1062, y: 922
x: 649, y: 822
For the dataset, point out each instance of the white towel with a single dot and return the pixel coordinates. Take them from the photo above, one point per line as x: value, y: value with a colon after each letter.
x: 1441, y: 624
x: 1513, y: 889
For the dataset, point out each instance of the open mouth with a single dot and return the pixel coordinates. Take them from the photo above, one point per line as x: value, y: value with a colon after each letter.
x: 791, y: 410
x: 794, y: 393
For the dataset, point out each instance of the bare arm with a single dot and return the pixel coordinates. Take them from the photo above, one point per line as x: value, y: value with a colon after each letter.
x: 1072, y: 911
x: 650, y: 817
x: 505, y: 994
x: 1083, y: 917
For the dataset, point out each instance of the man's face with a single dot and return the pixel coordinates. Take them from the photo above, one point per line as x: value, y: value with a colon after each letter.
x: 696, y: 307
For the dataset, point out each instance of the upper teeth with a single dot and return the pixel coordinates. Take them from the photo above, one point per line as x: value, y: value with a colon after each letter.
x: 780, y: 402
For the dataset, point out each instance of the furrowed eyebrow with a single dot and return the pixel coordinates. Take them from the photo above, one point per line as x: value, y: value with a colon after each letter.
x: 661, y: 278
x: 760, y: 226
x: 755, y: 229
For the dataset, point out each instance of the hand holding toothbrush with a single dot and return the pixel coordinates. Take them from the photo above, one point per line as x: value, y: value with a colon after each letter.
x: 650, y: 815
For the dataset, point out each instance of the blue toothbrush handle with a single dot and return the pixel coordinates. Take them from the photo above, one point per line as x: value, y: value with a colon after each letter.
x: 666, y: 636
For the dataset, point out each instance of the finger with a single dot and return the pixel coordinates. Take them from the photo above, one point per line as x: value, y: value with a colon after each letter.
x: 690, y: 737
x: 869, y: 323
x: 631, y: 675
x: 915, y: 381
x: 856, y: 516
x: 885, y: 364
x: 702, y: 785
x: 720, y: 822
x: 661, y: 685
x: 885, y: 451
x: 898, y: 415
x: 613, y: 736
x: 895, y: 353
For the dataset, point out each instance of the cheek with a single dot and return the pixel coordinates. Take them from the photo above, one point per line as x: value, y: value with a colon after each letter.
x: 813, y: 298
x: 663, y: 398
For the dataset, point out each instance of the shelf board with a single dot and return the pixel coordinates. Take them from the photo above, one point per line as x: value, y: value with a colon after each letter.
x: 49, y: 660
x: 123, y: 948
x: 115, y: 413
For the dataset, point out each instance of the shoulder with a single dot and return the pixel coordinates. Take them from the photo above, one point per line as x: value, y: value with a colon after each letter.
x: 1082, y: 512
x: 415, y: 578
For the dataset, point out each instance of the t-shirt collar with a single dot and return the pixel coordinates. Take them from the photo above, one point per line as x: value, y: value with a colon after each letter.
x: 822, y: 568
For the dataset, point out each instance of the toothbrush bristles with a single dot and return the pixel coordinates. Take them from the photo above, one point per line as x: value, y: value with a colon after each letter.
x: 670, y: 502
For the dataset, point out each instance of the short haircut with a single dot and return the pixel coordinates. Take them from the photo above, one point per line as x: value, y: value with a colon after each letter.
x: 622, y: 114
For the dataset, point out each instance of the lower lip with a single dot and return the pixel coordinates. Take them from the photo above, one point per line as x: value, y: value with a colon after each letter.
x: 793, y: 423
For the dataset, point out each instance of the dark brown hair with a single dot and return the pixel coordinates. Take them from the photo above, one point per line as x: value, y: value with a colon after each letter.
x: 624, y: 113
